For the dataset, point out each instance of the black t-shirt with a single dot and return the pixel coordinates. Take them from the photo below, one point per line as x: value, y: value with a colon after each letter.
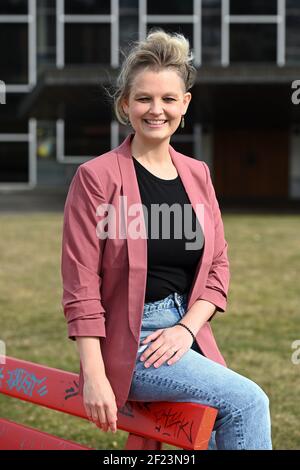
x: 171, y: 265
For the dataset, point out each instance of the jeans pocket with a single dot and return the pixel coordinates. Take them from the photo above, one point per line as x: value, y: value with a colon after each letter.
x: 160, y: 318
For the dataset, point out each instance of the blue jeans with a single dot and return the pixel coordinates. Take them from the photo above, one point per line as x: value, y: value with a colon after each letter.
x: 243, y: 420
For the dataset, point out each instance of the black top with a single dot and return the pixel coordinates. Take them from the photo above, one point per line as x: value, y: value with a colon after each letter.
x: 171, y: 264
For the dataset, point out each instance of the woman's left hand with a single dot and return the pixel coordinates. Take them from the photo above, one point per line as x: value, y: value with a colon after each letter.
x: 168, y: 344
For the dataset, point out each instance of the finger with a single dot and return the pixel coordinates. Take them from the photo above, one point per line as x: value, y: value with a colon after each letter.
x: 111, y: 416
x: 152, y: 336
x: 88, y: 412
x: 95, y: 417
x: 156, y: 356
x: 102, y: 418
x: 168, y: 354
x: 152, y: 350
x: 175, y: 358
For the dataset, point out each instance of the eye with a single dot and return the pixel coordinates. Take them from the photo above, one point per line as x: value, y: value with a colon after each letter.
x: 169, y: 99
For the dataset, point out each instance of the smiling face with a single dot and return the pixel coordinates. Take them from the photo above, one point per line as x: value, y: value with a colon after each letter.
x: 156, y: 103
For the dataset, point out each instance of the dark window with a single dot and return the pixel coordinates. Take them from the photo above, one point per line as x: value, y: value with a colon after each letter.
x: 292, y: 32
x: 128, y: 4
x: 87, y: 43
x: 87, y: 138
x: 211, y: 31
x: 253, y: 7
x: 187, y: 148
x: 8, y: 121
x: 14, y: 59
x: 46, y: 32
x: 13, y: 155
x: 14, y: 166
x: 87, y: 7
x: 13, y: 7
x: 87, y: 125
x: 128, y: 32
x: 253, y: 43
x: 176, y: 7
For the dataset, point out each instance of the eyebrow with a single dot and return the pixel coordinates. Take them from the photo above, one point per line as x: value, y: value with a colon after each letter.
x: 146, y: 93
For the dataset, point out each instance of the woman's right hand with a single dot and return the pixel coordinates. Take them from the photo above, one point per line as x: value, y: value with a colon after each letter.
x: 100, y: 403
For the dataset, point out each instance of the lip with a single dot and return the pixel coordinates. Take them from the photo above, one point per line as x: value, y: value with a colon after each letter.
x: 155, y: 125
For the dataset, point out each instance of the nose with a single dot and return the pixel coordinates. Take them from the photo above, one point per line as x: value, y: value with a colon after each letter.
x: 156, y: 107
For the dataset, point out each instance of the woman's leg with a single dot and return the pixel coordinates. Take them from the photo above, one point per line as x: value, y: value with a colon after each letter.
x: 243, y: 420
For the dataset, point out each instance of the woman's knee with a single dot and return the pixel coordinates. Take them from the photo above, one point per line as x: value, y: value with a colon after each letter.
x: 257, y: 397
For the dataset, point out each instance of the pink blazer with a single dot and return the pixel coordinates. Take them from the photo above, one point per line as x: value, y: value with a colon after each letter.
x: 104, y: 281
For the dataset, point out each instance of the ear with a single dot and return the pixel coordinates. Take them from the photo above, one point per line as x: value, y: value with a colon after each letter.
x: 186, y: 99
x: 124, y: 105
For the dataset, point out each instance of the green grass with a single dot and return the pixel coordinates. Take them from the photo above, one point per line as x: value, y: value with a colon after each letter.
x: 254, y: 334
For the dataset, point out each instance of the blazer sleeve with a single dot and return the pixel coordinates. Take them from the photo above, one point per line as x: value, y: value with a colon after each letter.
x: 217, y: 285
x: 81, y: 257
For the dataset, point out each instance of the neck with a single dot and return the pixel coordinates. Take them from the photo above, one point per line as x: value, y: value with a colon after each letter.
x: 156, y: 152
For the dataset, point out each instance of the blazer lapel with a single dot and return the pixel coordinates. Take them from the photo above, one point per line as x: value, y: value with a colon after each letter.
x: 137, y: 248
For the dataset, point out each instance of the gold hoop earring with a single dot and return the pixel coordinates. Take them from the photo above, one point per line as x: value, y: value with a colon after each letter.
x: 182, y: 122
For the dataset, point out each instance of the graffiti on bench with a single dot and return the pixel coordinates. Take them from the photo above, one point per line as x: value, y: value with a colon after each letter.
x: 72, y: 391
x: 24, y: 381
x: 167, y: 421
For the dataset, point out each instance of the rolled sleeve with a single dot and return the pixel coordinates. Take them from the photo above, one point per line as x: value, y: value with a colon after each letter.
x: 81, y: 257
x: 216, y: 288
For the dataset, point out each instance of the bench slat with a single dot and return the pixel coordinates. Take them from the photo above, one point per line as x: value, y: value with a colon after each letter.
x: 184, y: 425
x: 15, y: 436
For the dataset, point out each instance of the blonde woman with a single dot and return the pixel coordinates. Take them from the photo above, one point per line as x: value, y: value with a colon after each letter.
x: 139, y: 295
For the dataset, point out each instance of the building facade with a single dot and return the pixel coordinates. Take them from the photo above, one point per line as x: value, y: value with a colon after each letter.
x: 55, y: 55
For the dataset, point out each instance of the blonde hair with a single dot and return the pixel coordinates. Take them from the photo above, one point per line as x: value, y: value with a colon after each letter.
x: 160, y: 50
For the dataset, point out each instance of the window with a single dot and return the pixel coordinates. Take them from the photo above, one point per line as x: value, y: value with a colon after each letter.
x: 244, y: 48
x: 14, y: 59
x: 87, y: 43
x: 14, y: 7
x: 87, y: 7
x: 292, y: 32
x: 253, y: 7
x: 176, y: 7
x: 211, y: 31
x: 14, y: 164
x: 253, y: 33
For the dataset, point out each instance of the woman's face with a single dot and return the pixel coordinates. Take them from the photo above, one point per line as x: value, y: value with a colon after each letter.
x: 156, y: 103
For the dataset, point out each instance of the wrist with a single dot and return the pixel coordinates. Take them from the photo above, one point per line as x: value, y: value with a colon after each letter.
x: 187, y: 329
x: 94, y: 374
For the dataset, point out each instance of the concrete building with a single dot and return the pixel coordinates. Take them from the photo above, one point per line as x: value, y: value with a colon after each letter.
x: 56, y: 54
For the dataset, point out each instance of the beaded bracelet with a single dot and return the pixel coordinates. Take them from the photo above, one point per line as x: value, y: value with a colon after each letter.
x: 184, y: 326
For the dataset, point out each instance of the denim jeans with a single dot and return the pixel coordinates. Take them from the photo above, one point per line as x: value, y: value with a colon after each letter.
x: 243, y: 421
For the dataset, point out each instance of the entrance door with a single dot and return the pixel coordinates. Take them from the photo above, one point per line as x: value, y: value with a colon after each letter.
x: 251, y: 163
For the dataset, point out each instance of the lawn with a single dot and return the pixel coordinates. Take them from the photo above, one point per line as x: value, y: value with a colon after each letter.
x: 255, y: 334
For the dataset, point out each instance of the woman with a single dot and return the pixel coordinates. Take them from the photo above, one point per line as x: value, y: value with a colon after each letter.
x: 138, y: 299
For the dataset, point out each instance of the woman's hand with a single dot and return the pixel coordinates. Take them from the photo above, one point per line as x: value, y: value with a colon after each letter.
x: 100, y: 403
x: 168, y: 344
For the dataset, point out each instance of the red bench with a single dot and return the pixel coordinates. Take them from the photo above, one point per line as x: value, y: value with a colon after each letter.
x: 184, y: 425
